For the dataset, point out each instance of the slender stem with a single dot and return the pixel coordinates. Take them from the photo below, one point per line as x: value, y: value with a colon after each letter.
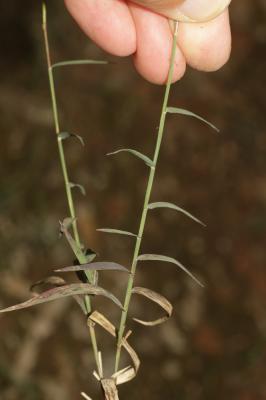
x: 64, y: 168
x: 146, y: 202
x: 57, y: 131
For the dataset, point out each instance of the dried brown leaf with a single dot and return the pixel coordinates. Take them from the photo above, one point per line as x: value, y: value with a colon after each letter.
x: 158, y: 299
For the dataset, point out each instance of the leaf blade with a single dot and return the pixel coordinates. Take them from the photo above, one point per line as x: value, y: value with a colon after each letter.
x: 96, y: 266
x: 66, y: 135
x: 70, y: 290
x: 163, y: 204
x: 77, y: 185
x: 159, y: 257
x: 116, y: 231
x: 182, y: 111
x: 69, y: 63
x: 158, y: 299
x: 136, y: 153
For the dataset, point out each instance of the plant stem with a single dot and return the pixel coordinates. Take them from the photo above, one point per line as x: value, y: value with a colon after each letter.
x: 65, y: 171
x: 146, y: 201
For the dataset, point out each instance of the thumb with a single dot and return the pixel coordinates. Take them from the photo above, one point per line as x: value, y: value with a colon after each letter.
x: 186, y: 10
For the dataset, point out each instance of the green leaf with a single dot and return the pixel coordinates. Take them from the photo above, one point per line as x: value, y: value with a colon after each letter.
x: 157, y: 257
x: 77, y: 185
x: 64, y: 291
x: 96, y: 266
x: 136, y: 153
x: 162, y: 204
x: 69, y: 63
x: 182, y: 111
x: 116, y: 231
x: 66, y: 135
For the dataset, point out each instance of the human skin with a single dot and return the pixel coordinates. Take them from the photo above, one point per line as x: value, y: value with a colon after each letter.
x: 141, y: 29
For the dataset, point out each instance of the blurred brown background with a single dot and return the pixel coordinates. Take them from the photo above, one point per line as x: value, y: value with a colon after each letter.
x: 214, y: 345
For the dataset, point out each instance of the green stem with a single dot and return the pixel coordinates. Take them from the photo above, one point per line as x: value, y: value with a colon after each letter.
x: 64, y: 169
x: 146, y: 202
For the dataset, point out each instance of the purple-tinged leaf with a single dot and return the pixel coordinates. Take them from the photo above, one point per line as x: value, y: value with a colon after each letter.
x: 96, y: 266
x: 64, y: 291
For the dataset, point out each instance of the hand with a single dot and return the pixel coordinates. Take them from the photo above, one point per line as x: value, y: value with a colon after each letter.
x: 142, y: 30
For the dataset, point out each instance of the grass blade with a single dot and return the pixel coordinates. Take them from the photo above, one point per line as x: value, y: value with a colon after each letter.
x: 70, y: 63
x: 116, y: 231
x: 158, y: 257
x: 77, y: 185
x: 64, y: 291
x: 66, y: 135
x: 163, y: 204
x: 96, y: 266
x: 182, y: 111
x: 136, y: 153
x: 158, y: 299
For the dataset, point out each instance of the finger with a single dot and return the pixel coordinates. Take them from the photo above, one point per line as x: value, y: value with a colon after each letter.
x: 186, y: 10
x: 154, y: 42
x: 107, y: 22
x: 206, y: 46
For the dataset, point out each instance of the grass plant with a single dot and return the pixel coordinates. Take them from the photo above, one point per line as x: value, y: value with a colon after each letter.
x: 86, y: 267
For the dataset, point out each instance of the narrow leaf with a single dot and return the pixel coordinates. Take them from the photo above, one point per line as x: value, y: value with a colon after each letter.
x: 96, y: 266
x: 116, y: 231
x: 157, y: 257
x: 64, y: 229
x: 69, y: 63
x: 77, y: 185
x: 182, y: 111
x: 158, y: 299
x: 162, y: 204
x: 64, y: 291
x: 136, y: 153
x: 66, y: 135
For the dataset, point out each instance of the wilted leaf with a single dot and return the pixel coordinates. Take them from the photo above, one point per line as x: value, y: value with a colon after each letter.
x: 77, y: 185
x: 52, y: 281
x: 163, y: 204
x: 66, y: 135
x: 69, y: 63
x: 136, y: 153
x: 181, y: 111
x: 116, y: 231
x: 96, y: 266
x: 158, y: 299
x: 128, y: 373
x: 157, y: 257
x: 64, y: 291
x: 109, y: 389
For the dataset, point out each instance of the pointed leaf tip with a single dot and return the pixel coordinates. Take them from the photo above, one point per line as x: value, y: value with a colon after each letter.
x: 77, y: 185
x: 163, y: 204
x: 116, y: 231
x: 69, y: 63
x: 64, y: 291
x: 159, y: 257
x: 94, y: 266
x: 182, y: 111
x: 66, y: 135
x: 136, y: 153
